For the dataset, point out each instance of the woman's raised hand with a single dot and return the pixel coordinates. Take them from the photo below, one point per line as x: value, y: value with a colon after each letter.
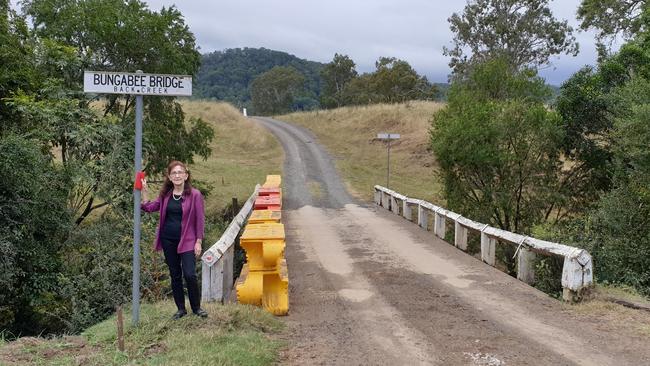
x: 144, y: 189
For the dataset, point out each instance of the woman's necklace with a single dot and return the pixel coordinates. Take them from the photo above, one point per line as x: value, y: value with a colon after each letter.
x: 179, y: 196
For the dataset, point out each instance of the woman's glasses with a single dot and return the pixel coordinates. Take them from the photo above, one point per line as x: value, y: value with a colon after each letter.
x: 177, y: 173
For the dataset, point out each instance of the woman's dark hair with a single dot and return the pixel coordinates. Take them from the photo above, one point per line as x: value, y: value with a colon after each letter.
x: 168, y: 185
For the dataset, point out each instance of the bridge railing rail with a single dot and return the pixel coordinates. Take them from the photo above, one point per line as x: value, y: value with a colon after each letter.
x: 217, y: 262
x: 577, y: 270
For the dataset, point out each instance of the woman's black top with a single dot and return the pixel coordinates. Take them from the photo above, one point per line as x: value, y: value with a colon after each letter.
x: 173, y: 216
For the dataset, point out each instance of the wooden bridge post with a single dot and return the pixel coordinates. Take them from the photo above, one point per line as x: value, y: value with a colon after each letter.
x: 385, y: 200
x: 460, y: 236
x: 526, y: 266
x: 205, y: 282
x: 423, y: 219
x: 488, y: 246
x: 407, y: 213
x: 394, y: 207
x: 577, y: 274
x: 439, y: 225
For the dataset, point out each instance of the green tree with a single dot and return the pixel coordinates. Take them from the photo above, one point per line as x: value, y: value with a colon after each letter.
x: 395, y: 81
x: 499, y: 158
x: 613, y: 17
x: 523, y: 31
x: 16, y: 63
x: 274, y: 91
x: 605, y: 110
x: 359, y: 91
x: 336, y: 75
x: 588, y: 111
x: 616, y: 231
x: 34, y: 223
x: 111, y: 35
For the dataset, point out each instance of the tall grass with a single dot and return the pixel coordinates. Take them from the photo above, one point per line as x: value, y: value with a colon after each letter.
x: 350, y: 133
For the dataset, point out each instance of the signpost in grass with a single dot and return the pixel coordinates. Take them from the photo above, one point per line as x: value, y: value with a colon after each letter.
x: 138, y: 84
x: 388, y: 137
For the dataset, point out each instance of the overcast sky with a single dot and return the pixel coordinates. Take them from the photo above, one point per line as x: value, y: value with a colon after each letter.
x: 411, y: 30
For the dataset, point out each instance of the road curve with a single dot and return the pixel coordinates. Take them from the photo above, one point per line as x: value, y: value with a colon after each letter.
x: 367, y: 287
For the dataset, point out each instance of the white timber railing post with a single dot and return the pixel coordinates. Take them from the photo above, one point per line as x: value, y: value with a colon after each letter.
x: 460, y: 233
x: 406, y: 210
x: 423, y: 218
x: 385, y: 200
x: 394, y: 207
x: 526, y: 266
x: 440, y: 224
x: 377, y: 196
x: 576, y: 272
x: 488, y: 247
x: 409, y: 204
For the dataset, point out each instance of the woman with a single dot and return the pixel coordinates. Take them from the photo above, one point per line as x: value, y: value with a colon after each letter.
x: 180, y: 233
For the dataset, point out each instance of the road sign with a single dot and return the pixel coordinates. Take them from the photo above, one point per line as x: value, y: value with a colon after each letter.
x: 104, y: 82
x: 388, y: 136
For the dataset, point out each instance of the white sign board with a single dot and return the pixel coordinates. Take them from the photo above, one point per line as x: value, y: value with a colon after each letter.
x: 103, y: 82
x: 388, y: 136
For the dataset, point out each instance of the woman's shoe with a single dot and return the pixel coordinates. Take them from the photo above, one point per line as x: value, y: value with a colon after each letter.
x: 202, y: 313
x: 179, y: 314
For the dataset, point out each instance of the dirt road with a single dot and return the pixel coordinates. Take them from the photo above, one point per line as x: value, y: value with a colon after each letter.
x: 370, y: 288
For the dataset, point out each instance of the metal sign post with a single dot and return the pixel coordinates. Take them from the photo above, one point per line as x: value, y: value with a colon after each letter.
x: 135, y: 291
x: 137, y: 84
x: 388, y: 137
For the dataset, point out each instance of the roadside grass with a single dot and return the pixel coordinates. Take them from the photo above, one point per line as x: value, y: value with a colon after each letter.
x: 601, y: 306
x: 349, y: 134
x: 243, y: 153
x: 231, y: 335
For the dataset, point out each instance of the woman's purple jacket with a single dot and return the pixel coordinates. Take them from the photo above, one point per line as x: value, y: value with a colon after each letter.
x: 192, y: 223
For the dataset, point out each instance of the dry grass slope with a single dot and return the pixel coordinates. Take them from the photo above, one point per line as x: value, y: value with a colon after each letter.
x: 350, y: 133
x: 243, y: 153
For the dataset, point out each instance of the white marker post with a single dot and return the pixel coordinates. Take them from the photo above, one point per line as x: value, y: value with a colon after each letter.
x: 138, y: 84
x: 388, y: 137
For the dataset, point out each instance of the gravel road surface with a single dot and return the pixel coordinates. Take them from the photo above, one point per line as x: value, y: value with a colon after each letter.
x: 370, y: 288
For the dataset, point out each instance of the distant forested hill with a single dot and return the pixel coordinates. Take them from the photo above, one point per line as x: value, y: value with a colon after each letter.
x: 226, y: 75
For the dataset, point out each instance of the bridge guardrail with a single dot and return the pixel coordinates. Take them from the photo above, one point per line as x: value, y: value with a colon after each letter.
x: 577, y: 271
x: 217, y: 262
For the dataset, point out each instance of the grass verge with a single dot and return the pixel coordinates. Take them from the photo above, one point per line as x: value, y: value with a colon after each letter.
x: 231, y: 335
x: 350, y: 133
x: 602, y: 306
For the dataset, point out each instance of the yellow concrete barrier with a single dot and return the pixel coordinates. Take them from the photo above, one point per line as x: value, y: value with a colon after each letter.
x: 264, y: 279
x: 264, y: 245
x: 272, y: 181
x: 276, y: 291
x: 265, y: 217
x: 250, y: 286
x: 270, y: 289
